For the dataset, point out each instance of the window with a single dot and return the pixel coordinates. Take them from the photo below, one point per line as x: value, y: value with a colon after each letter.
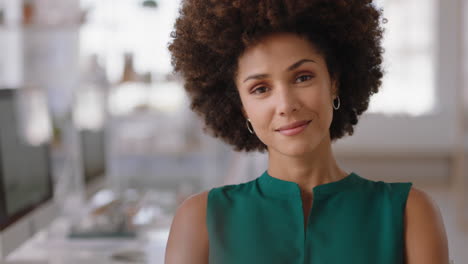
x: 416, y: 113
x: 410, y: 53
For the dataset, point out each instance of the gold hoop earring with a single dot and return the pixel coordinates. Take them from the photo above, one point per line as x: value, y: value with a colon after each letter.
x: 249, y: 126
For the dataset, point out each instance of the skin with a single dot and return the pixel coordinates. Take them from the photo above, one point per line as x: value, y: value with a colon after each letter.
x: 283, y: 79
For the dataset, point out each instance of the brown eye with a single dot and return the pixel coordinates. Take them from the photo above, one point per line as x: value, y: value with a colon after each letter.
x: 260, y: 90
x: 303, y: 78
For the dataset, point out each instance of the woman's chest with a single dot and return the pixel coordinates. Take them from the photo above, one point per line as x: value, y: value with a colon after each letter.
x: 302, y: 230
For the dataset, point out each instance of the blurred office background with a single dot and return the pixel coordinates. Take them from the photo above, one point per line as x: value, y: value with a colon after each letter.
x: 98, y: 145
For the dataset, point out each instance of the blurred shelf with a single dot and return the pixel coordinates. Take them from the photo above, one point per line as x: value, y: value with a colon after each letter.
x: 36, y: 27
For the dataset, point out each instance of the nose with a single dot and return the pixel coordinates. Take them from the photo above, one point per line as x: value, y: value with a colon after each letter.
x: 287, y: 101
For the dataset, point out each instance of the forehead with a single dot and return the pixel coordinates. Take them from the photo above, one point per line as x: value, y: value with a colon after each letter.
x: 275, y: 51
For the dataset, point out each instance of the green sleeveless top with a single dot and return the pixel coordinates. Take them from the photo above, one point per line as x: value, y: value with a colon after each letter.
x: 353, y: 221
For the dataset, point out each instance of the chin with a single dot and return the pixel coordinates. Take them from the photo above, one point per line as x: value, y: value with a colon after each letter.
x: 295, y: 150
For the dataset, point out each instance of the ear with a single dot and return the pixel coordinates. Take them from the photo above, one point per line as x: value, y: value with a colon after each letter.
x: 334, y: 88
x: 244, y: 113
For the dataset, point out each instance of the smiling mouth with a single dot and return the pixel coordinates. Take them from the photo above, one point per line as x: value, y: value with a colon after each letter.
x: 294, y: 129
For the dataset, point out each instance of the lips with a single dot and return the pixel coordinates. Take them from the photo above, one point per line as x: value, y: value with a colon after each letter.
x: 294, y: 125
x: 294, y: 128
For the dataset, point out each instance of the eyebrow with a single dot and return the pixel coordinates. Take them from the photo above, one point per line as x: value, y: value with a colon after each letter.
x: 290, y: 68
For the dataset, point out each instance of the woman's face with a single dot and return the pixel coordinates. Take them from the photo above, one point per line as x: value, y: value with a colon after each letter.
x: 287, y: 93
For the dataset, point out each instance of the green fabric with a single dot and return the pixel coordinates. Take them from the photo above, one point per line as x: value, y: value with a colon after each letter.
x: 353, y: 221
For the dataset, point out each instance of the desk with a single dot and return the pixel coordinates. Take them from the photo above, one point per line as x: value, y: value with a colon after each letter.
x: 51, y: 246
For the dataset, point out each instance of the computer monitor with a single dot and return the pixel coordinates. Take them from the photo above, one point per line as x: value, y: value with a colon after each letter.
x: 93, y: 150
x: 26, y: 188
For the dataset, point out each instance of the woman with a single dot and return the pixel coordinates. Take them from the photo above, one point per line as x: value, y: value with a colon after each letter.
x: 289, y: 78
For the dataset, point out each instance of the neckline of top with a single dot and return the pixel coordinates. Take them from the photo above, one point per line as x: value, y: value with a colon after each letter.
x: 276, y: 186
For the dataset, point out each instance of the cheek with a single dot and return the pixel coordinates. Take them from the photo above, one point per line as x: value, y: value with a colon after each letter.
x: 320, y: 104
x: 260, y: 114
x: 327, y: 112
x: 318, y: 100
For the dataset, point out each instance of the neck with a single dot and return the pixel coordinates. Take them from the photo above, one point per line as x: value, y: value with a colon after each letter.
x: 307, y: 170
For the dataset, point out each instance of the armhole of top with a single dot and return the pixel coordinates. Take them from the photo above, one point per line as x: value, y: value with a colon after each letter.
x: 209, y: 212
x: 405, y: 189
x: 401, y: 194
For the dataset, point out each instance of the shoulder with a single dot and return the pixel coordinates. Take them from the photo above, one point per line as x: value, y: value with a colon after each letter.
x: 425, y: 237
x: 394, y: 192
x: 188, y: 236
x: 232, y: 191
x: 195, y: 202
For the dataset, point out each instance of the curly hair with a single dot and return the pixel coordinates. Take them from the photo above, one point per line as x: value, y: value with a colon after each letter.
x: 210, y: 36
